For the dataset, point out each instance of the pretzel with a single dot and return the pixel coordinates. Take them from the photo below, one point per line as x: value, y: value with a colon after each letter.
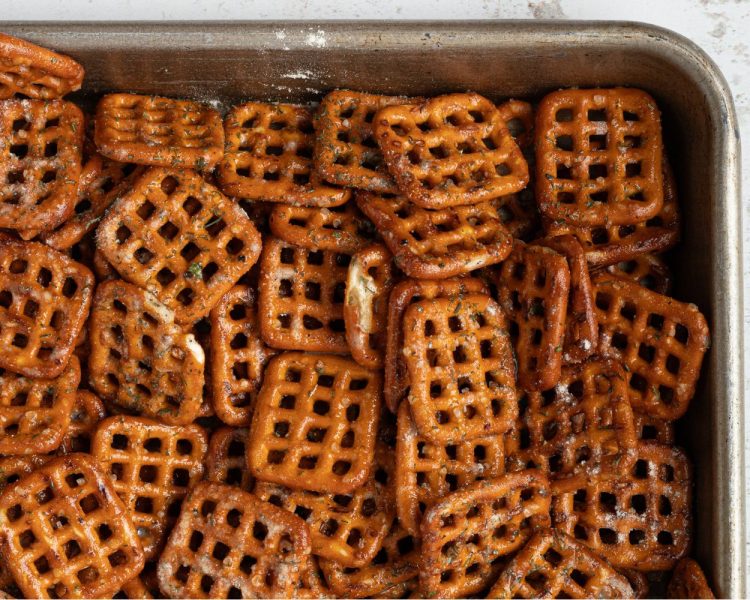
x: 30, y: 70
x: 315, y: 423
x: 581, y: 333
x: 404, y: 294
x: 312, y: 583
x: 269, y: 150
x: 40, y: 162
x: 87, y: 411
x: 65, y: 534
x: 301, y: 298
x: 467, y: 532
x: 450, y: 150
x: 641, y: 520
x: 435, y: 244
x: 653, y: 429
x: 533, y: 290
x: 368, y: 284
x: 238, y: 355
x: 585, y: 422
x: 688, y: 581
x: 102, y: 267
x: 660, y: 341
x: 346, y: 153
x: 140, y: 360
x: 426, y: 472
x: 225, y: 460
x: 648, y: 270
x: 13, y: 468
x: 181, y: 239
x: 228, y: 544
x: 339, y: 228
x: 35, y: 413
x: 143, y: 586
x: 394, y: 565
x: 552, y: 565
x: 518, y: 116
x: 164, y: 132
x: 599, y: 157
x: 638, y: 582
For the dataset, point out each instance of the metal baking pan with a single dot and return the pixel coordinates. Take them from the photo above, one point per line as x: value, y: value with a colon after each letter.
x: 294, y: 61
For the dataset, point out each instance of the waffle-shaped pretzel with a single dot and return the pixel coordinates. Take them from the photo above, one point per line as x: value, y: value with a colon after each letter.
x: 40, y: 162
x: 64, y: 533
x: 599, y: 157
x: 102, y: 267
x: 465, y: 534
x: 393, y: 565
x: 164, y: 132
x: 181, y: 239
x: 140, y: 359
x: 35, y: 413
x: 519, y: 214
x: 225, y: 461
x: 44, y: 301
x: 660, y: 341
x: 461, y: 368
x: 426, y: 472
x: 450, y: 150
x: 30, y: 70
x: 688, y: 581
x: 301, y: 298
x: 638, y: 582
x: 435, y: 244
x: 641, y: 520
x: 312, y: 584
x: 339, y: 228
x: 229, y: 544
x: 269, y: 150
x: 346, y: 528
x: 533, y: 289
x: 238, y: 356
x: 403, y: 295
x: 315, y: 423
x: 585, y: 422
x: 653, y: 429
x: 87, y: 411
x: 648, y: 270
x: 554, y: 565
x: 518, y: 116
x: 346, y: 153
x: 368, y: 286
x: 152, y: 466
x: 13, y: 468
x: 100, y: 183
x: 581, y: 332
x: 145, y: 586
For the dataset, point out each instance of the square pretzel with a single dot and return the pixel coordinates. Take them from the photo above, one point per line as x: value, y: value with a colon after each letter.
x: 238, y: 355
x: 30, y: 70
x: 180, y: 238
x: 346, y: 152
x: 152, y: 466
x: 315, y: 423
x: 436, y: 244
x: 467, y: 533
x: 533, y: 289
x: 301, y: 298
x: 640, y: 520
x: 87, y: 411
x: 660, y: 341
x: 140, y: 360
x: 229, y: 544
x: 649, y: 270
x: 554, y: 565
x: 426, y: 472
x: 65, y: 533
x: 44, y: 301
x: 269, y: 152
x: 163, y: 132
x: 461, y: 368
x: 225, y: 461
x: 35, y: 413
x: 40, y: 163
x: 450, y: 150
x: 653, y: 429
x: 599, y: 157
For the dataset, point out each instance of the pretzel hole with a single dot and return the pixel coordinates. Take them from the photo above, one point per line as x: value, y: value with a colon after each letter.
x: 341, y: 467
x: 637, y: 196
x: 636, y: 536
x: 502, y: 169
x: 15, y: 177
x: 196, y: 539
x: 311, y: 323
x: 632, y: 169
x: 640, y: 469
x: 122, y: 234
x: 597, y: 114
x: 234, y: 246
x: 646, y: 352
x: 20, y: 340
x: 681, y: 333
x: 632, y: 141
x: 619, y: 340
x: 287, y: 402
x: 68, y: 290
x: 597, y: 171
x: 19, y: 150
x: 143, y: 255
x: 240, y: 371
x: 89, y: 504
x: 186, y: 296
x: 207, y: 583
x: 243, y: 171
x: 215, y: 227
x: 607, y: 536
x: 601, y: 197
x: 116, y: 470
x: 464, y: 387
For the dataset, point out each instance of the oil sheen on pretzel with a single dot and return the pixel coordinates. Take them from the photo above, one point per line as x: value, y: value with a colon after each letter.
x: 450, y: 150
x: 599, y: 157
x: 225, y: 460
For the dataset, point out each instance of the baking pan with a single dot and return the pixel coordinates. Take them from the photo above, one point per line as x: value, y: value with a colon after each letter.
x: 294, y: 61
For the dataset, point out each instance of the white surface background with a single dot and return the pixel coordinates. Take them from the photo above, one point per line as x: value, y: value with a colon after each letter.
x: 719, y: 26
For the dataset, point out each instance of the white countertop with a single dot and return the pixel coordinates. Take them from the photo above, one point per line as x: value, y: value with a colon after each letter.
x: 719, y: 26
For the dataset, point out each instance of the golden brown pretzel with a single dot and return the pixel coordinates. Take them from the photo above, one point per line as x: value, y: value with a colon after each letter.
x: 519, y: 119
x: 12, y: 468
x: 225, y: 460
x: 688, y: 581
x: 653, y: 429
x: 87, y: 411
x: 648, y: 270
